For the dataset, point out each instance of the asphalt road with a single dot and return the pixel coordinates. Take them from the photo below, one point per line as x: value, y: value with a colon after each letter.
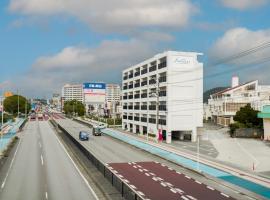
x: 109, y: 150
x: 41, y: 169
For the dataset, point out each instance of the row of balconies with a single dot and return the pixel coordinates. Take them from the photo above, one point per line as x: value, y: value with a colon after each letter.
x: 144, y: 107
x: 144, y: 119
x: 143, y: 83
x: 145, y: 70
x: 143, y: 95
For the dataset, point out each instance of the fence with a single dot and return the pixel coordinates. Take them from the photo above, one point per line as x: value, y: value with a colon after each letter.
x: 127, y: 192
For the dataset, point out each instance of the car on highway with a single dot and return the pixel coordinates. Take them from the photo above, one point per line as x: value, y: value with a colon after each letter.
x: 101, y: 126
x: 83, y: 136
x: 96, y: 131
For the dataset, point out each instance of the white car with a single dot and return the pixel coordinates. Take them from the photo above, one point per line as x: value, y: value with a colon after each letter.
x: 101, y: 126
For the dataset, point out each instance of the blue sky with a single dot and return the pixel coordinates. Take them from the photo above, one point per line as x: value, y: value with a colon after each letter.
x: 44, y: 44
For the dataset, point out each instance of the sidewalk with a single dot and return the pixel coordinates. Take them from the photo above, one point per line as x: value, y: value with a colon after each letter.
x: 205, y: 166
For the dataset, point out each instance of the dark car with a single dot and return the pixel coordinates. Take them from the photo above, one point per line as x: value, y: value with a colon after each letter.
x: 83, y: 136
x: 96, y: 131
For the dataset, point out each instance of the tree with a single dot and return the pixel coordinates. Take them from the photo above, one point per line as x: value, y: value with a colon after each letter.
x: 11, y: 104
x: 248, y: 116
x: 74, y: 106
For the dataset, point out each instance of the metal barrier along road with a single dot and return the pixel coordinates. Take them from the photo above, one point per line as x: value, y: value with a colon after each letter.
x: 126, y: 191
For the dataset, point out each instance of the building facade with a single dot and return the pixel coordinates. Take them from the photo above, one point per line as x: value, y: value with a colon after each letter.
x: 113, y: 97
x: 72, y: 92
x: 164, y: 94
x: 224, y: 105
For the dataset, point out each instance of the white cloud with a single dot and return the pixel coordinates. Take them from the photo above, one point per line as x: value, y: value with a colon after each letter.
x: 238, y: 40
x: 113, y: 15
x: 249, y: 67
x: 243, y: 4
x: 76, y: 64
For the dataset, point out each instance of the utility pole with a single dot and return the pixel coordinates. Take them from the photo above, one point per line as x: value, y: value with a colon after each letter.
x: 18, y: 103
x: 157, y: 103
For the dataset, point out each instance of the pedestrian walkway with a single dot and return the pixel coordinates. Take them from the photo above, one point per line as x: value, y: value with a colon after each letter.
x: 6, y: 138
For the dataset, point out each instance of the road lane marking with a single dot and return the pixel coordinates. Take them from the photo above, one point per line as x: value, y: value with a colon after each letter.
x: 82, y: 176
x: 225, y: 195
x: 210, y: 188
x: 42, y: 161
x: 46, y: 195
x: 39, y: 145
x: 12, y: 161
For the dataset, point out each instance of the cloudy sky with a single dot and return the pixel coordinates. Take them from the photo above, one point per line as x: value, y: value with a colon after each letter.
x: 46, y: 43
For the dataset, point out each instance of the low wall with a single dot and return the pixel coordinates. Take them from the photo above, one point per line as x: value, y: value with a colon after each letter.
x: 248, y: 133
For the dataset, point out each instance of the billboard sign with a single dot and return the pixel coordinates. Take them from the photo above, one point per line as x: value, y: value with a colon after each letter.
x: 94, y: 92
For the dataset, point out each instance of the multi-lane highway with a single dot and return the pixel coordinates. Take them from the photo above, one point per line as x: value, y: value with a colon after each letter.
x: 41, y: 168
x: 112, y: 151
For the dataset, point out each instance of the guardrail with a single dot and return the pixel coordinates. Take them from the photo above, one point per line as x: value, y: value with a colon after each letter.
x: 126, y: 191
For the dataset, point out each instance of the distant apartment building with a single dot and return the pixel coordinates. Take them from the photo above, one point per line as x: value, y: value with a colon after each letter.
x: 164, y: 94
x: 113, y: 97
x: 223, y: 105
x: 72, y: 92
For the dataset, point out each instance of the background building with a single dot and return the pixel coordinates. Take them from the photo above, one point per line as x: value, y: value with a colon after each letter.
x: 56, y: 101
x: 7, y: 94
x: 224, y: 105
x: 94, y: 98
x: 72, y: 92
x: 113, y: 97
x: 164, y: 93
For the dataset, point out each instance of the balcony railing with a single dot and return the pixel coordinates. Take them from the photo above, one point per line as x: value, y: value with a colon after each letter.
x: 162, y: 65
x: 130, y: 86
x: 124, y: 107
x: 144, y: 83
x: 125, y: 88
x: 130, y: 117
x: 137, y: 85
x: 152, y: 107
x: 163, y: 93
x: 144, y: 107
x: 130, y: 107
x: 124, y: 117
x: 130, y: 76
x: 137, y: 96
x: 130, y: 96
x: 162, y: 107
x: 152, y: 120
x: 125, y: 77
x: 152, y: 68
x: 144, y: 71
x: 136, y: 118
x: 144, y: 95
x: 143, y: 119
x: 162, y: 121
x: 125, y: 97
x: 137, y: 73
x: 162, y: 79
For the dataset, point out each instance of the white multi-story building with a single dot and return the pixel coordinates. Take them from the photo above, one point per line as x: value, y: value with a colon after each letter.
x: 223, y: 105
x: 113, y: 97
x: 72, y: 92
x: 168, y: 89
